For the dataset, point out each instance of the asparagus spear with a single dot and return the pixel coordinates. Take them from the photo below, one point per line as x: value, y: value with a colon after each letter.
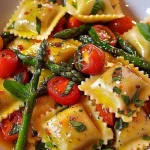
x: 126, y: 46
x: 71, y: 33
x: 65, y: 71
x: 31, y: 97
x: 140, y: 62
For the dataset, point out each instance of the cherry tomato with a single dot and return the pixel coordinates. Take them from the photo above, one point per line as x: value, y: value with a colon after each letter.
x: 108, y: 117
x: 73, y: 22
x: 8, y: 62
x: 21, y: 74
x: 56, y: 88
x: 1, y: 43
x: 121, y: 25
x: 89, y: 59
x: 105, y: 34
x: 60, y: 25
x: 7, y: 125
x: 146, y: 107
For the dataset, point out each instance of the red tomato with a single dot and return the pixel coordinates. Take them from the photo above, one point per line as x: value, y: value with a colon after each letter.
x: 73, y: 22
x: 56, y: 88
x: 146, y: 107
x: 8, y: 62
x: 121, y: 25
x: 60, y: 25
x: 105, y: 34
x: 108, y: 117
x: 21, y: 74
x: 90, y: 58
x: 7, y: 125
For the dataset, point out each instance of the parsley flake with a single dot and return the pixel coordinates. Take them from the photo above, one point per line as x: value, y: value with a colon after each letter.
x: 79, y: 126
x: 117, y: 74
x: 116, y: 90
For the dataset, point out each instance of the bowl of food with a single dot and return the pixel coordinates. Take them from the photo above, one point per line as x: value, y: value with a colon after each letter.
x: 74, y: 75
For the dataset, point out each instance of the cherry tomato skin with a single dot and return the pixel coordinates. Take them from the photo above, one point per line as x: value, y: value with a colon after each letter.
x: 92, y: 61
x: 56, y: 87
x: 73, y: 22
x: 22, y: 73
x: 7, y: 125
x: 108, y: 117
x: 1, y: 43
x: 121, y: 25
x: 8, y: 62
x: 105, y: 34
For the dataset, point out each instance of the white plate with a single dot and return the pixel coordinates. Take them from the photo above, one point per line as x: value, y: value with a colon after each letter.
x: 137, y: 9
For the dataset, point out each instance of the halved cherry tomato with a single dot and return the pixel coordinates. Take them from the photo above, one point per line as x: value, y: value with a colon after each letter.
x: 8, y: 62
x: 146, y: 107
x: 56, y: 88
x: 90, y: 58
x: 108, y: 117
x: 73, y: 22
x: 21, y: 74
x: 7, y: 125
x: 105, y: 34
x: 60, y: 26
x: 1, y: 43
x: 121, y: 25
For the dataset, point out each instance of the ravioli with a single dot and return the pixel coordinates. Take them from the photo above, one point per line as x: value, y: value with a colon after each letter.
x: 35, y: 19
x: 113, y: 94
x: 8, y: 103
x: 72, y: 129
x: 81, y: 9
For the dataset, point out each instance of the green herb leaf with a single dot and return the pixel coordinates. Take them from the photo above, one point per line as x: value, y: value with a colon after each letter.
x: 49, y: 144
x: 146, y: 137
x: 99, y: 5
x: 139, y: 103
x: 38, y: 25
x: 79, y: 126
x: 126, y: 99
x: 12, y: 25
x: 74, y: 4
x: 116, y: 90
x: 135, y: 96
x: 144, y: 30
x: 128, y: 112
x: 119, y: 124
x: 69, y: 87
x: 17, y: 89
x: 40, y: 146
x: 15, y: 129
x: 97, y: 145
x: 117, y: 74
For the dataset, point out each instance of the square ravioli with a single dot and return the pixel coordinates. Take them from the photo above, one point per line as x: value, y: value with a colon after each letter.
x: 37, y: 25
x: 72, y: 129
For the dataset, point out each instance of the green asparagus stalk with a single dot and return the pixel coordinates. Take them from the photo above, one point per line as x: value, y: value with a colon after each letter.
x: 71, y: 33
x: 7, y: 38
x: 140, y: 62
x: 65, y: 71
x: 31, y: 97
x: 127, y: 46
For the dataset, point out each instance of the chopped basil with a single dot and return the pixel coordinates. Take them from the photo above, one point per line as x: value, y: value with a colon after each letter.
x: 79, y: 126
x: 69, y: 87
x: 38, y: 25
x: 15, y: 129
x: 116, y: 90
x: 74, y: 4
x: 53, y: 1
x: 144, y: 30
x: 117, y: 74
x: 139, y: 103
x: 119, y: 124
x: 12, y: 25
x: 97, y: 145
x: 128, y: 112
x: 99, y: 5
x: 50, y: 144
x: 126, y: 99
x: 40, y: 146
x: 135, y: 96
x: 146, y: 137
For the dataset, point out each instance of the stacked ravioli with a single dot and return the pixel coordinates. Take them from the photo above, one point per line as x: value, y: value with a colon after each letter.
x: 33, y: 21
